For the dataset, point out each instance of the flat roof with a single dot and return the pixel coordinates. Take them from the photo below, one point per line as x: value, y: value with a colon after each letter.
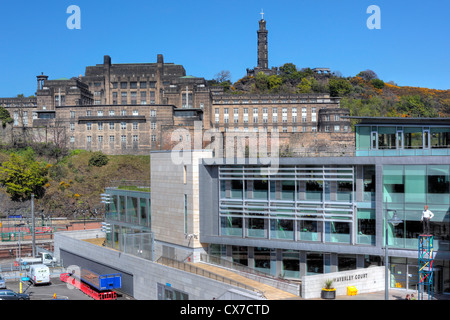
x: 400, y: 120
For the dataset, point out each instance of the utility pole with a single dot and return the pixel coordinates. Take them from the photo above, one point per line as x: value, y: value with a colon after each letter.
x: 32, y: 226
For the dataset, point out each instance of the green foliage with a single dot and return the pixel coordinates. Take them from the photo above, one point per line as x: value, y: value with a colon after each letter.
x: 5, y: 117
x: 416, y: 106
x: 339, y: 87
x: 22, y: 176
x: 98, y: 159
x: 377, y: 83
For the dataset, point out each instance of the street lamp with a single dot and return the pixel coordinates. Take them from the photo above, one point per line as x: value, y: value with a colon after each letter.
x: 395, y: 221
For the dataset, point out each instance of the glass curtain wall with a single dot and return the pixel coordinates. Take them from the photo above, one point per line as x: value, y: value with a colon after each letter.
x: 407, y: 189
x: 313, y: 203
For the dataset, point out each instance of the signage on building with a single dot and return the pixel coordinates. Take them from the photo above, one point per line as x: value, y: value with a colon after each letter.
x: 358, y: 276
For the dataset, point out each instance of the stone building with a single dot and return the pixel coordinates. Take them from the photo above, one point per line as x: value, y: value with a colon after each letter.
x: 131, y: 108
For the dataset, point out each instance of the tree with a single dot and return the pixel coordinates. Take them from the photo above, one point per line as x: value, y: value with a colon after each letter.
x: 23, y: 176
x: 339, y: 87
x: 223, y: 76
x: 367, y: 75
x: 5, y: 116
x: 416, y: 106
x: 377, y: 83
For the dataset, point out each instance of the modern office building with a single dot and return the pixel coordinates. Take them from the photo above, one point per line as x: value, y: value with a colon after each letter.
x: 289, y: 218
x: 306, y: 216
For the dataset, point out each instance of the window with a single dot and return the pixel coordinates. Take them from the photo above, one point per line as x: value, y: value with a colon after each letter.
x: 123, y: 112
x: 135, y: 138
x: 88, y: 113
x: 133, y: 95
x: 143, y: 97
x: 274, y: 115
x: 143, y: 84
x: 245, y: 115
x: 88, y: 126
x: 135, y: 125
x: 152, y: 113
x: 216, y: 115
x: 304, y: 114
x: 72, y: 114
x: 72, y: 139
x: 225, y: 115
x: 133, y: 85
x: 236, y: 115
x: 111, y: 138
x: 100, y: 126
x: 115, y: 85
x: 111, y: 126
x: 255, y: 115
x: 123, y: 125
x: 123, y: 96
x: 100, y: 113
x: 153, y: 137
x: 153, y: 125
x: 100, y: 139
x: 72, y: 126
x: 111, y: 112
x: 284, y: 115
x: 123, y: 85
x: 313, y: 114
x: 265, y: 115
x: 123, y: 138
x: 135, y: 112
x: 294, y: 115
x: 89, y: 139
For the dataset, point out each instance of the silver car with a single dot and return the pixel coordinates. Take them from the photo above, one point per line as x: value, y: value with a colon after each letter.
x: 2, y: 283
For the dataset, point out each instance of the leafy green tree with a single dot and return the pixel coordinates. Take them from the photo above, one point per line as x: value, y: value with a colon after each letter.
x: 416, y: 106
x: 23, y: 176
x: 339, y: 87
x: 305, y: 85
x: 377, y: 83
x: 274, y: 82
x: 5, y: 116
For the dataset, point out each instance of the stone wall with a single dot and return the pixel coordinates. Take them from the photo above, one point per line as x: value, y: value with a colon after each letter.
x: 365, y: 280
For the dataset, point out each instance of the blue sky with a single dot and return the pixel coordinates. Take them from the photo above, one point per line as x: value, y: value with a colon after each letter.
x: 412, y: 47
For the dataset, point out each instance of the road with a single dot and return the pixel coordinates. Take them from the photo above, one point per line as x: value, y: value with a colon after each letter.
x: 47, y: 292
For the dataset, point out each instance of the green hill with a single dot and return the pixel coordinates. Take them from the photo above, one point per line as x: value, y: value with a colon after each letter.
x: 74, y: 186
x: 364, y: 94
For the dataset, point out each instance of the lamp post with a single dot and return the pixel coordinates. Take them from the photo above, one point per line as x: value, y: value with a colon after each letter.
x: 395, y: 221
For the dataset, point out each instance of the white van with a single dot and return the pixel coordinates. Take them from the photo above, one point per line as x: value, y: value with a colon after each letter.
x: 39, y: 274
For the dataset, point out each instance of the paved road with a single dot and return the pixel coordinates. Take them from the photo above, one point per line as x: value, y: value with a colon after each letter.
x: 46, y: 292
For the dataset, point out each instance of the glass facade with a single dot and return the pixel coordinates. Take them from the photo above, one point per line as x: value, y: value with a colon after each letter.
x: 128, y: 214
x: 407, y: 140
x: 313, y: 203
x: 407, y: 189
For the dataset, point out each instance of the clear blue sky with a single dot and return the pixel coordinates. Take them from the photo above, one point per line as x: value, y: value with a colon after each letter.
x: 412, y: 47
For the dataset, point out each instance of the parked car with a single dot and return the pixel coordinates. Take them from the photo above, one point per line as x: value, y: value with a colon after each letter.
x: 11, y: 295
x: 2, y: 283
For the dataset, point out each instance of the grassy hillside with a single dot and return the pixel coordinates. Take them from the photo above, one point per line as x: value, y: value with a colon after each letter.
x: 74, y: 186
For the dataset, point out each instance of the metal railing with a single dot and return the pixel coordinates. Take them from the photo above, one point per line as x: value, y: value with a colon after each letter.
x: 187, y: 267
x: 263, y: 277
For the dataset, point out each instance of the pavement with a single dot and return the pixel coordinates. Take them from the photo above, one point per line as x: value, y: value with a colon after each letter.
x: 394, y: 294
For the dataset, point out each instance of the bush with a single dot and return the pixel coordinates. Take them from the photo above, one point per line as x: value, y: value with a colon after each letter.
x: 377, y: 83
x: 98, y: 159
